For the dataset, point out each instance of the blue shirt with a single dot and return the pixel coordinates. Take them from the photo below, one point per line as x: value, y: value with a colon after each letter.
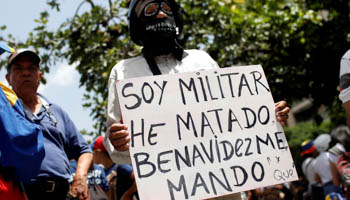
x: 109, y: 170
x: 62, y: 141
x: 96, y: 175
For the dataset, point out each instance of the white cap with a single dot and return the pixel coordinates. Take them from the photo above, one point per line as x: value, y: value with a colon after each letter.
x: 321, y: 143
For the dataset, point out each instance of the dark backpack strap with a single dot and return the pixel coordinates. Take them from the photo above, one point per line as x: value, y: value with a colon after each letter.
x: 308, y: 164
x: 151, y: 62
x: 177, y: 51
x: 335, y: 151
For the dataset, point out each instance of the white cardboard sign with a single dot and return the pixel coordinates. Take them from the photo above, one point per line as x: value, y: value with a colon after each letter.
x: 204, y: 134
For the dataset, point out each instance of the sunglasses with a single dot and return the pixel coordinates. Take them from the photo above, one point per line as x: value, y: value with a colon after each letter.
x: 153, y: 8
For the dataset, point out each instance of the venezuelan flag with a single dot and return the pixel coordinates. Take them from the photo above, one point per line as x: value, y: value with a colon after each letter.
x: 21, y: 141
x: 5, y: 48
x: 12, y: 98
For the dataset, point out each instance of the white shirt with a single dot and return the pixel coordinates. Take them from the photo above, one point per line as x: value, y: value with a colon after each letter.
x: 193, y: 60
x: 308, y: 169
x: 323, y: 168
x: 344, y: 95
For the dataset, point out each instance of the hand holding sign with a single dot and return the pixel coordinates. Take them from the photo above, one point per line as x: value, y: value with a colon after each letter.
x: 119, y: 136
x: 282, y: 111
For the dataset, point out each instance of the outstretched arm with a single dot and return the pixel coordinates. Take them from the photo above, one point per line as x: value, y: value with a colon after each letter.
x: 79, y: 187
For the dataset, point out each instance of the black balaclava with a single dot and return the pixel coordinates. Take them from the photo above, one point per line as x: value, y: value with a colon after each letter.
x: 159, y: 36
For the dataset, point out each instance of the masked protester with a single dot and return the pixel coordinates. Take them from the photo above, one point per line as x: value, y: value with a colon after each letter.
x: 155, y: 25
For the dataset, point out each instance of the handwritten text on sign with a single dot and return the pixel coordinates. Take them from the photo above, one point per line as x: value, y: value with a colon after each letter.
x: 204, y: 134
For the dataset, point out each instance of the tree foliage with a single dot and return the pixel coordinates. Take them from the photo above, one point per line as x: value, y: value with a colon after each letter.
x: 302, y: 132
x: 299, y: 43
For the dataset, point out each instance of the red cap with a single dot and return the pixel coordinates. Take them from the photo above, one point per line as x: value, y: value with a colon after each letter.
x: 98, y: 144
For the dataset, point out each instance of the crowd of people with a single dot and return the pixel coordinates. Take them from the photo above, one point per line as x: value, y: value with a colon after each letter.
x: 44, y: 156
x: 324, y: 161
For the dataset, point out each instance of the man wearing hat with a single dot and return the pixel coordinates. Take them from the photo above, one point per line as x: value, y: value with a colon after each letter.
x: 21, y: 144
x: 62, y: 140
x: 155, y: 25
x: 101, y: 156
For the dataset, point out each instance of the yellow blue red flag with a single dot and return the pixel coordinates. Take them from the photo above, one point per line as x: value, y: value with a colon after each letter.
x: 5, y: 48
x: 21, y: 142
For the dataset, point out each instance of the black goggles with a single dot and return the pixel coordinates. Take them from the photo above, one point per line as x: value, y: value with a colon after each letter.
x: 153, y: 8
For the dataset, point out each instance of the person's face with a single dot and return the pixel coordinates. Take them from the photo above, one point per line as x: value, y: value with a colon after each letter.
x: 156, y: 17
x: 24, y: 76
x: 97, y: 156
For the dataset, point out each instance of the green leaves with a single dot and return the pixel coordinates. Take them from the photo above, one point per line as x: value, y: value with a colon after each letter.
x: 299, y: 43
x: 54, y: 4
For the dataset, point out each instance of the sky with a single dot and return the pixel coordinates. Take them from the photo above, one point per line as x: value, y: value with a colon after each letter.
x: 62, y: 85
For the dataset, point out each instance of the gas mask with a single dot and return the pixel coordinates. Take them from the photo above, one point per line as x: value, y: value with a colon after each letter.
x: 159, y: 29
x: 155, y: 25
